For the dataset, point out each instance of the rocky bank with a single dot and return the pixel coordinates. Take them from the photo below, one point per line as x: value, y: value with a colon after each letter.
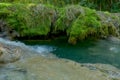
x: 21, y: 63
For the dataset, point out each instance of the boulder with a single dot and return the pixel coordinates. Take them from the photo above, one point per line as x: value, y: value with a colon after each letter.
x: 8, y: 54
x: 41, y: 68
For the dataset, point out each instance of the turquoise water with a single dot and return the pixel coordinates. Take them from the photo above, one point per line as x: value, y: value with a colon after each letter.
x: 101, y: 51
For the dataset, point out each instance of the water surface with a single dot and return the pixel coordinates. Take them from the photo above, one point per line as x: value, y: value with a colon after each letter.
x: 89, y: 51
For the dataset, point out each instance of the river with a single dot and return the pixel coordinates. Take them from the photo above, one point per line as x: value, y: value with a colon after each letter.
x: 88, y: 51
x: 58, y: 60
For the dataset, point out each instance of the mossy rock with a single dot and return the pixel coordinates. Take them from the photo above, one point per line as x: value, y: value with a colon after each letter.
x: 77, y: 22
x: 28, y: 18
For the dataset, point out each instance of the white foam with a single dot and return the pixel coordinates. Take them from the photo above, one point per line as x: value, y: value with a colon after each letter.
x: 14, y: 43
x: 114, y: 49
x: 41, y: 49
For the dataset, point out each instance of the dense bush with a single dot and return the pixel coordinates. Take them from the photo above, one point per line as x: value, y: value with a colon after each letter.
x: 28, y: 19
x: 77, y: 22
x: 115, y: 7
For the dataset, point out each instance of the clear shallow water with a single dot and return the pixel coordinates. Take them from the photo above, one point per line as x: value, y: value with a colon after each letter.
x: 102, y: 51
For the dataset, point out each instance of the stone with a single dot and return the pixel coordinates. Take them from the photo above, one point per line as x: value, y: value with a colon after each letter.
x: 8, y: 55
x: 41, y: 68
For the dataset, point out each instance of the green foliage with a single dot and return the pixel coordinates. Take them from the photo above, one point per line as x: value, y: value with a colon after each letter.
x: 78, y: 22
x: 28, y: 19
x: 81, y: 23
x: 105, y: 5
x: 109, y: 22
x: 85, y: 25
x: 87, y: 3
x: 67, y: 15
x: 3, y: 11
x: 116, y: 7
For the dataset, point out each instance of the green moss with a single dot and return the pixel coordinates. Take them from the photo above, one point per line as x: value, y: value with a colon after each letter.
x: 78, y: 22
x: 84, y: 26
x: 3, y: 11
x: 28, y: 18
x: 67, y: 16
x: 107, y: 13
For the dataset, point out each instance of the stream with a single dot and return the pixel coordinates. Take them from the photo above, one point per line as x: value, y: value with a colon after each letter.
x: 101, y: 51
x: 58, y: 60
